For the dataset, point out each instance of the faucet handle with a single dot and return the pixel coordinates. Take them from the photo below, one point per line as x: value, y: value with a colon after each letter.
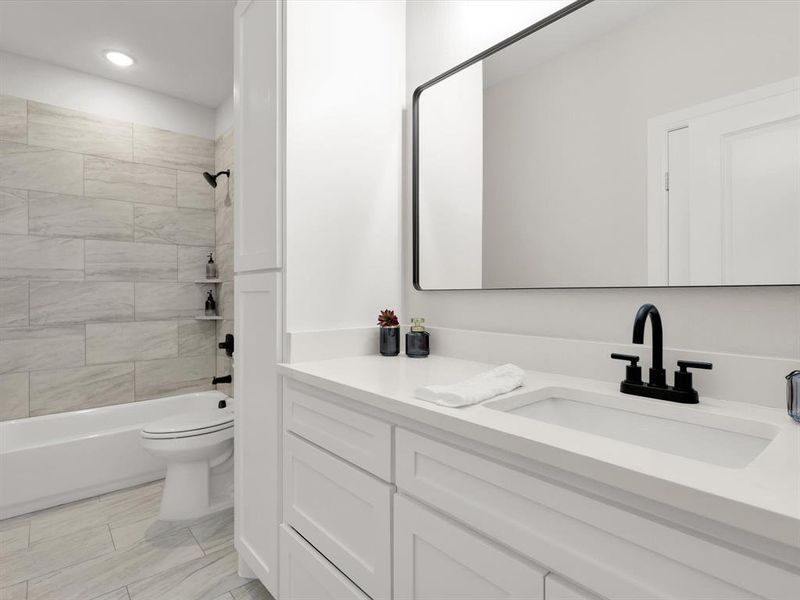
x: 683, y: 378
x: 633, y: 372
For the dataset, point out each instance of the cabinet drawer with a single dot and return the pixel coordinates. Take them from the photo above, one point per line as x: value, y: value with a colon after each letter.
x: 342, y: 511
x: 357, y: 438
x: 609, y: 550
x: 436, y: 559
x: 306, y: 575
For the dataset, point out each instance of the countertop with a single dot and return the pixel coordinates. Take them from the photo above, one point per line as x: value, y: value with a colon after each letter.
x: 762, y: 498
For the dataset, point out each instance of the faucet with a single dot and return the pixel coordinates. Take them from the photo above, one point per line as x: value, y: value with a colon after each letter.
x: 657, y: 387
x: 658, y: 376
x: 223, y: 379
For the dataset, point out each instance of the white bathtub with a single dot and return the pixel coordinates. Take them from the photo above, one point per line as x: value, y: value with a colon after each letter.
x: 49, y: 460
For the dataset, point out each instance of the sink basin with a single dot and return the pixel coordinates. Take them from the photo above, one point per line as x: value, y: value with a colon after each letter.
x: 674, y: 429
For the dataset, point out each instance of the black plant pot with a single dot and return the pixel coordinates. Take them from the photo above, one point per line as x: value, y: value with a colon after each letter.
x: 390, y: 341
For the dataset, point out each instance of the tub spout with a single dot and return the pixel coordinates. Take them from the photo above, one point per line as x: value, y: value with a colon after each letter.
x: 223, y: 379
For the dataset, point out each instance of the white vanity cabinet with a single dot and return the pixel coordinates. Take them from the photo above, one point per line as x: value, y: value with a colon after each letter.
x: 396, y: 510
x: 436, y: 558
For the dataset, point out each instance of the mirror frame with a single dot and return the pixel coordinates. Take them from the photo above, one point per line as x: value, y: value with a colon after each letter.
x: 556, y: 16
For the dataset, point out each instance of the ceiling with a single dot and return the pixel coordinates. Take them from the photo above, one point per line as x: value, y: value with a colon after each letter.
x: 183, y: 48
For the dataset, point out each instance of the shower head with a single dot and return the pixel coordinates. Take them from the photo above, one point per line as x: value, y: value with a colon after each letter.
x: 212, y: 179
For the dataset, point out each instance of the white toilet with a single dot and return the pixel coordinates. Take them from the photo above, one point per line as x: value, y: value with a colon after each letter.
x: 194, y: 445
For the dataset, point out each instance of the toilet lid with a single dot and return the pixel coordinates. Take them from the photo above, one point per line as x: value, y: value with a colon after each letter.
x: 196, y: 422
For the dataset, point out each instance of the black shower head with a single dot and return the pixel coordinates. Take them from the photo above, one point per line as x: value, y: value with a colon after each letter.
x: 212, y: 179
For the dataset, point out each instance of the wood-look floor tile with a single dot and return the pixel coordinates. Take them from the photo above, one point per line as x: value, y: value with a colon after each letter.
x: 111, y: 571
x: 214, y: 532
x: 253, y: 590
x: 55, y: 553
x: 18, y: 591
x: 14, y: 539
x: 202, y: 579
x: 120, y: 594
x: 130, y: 533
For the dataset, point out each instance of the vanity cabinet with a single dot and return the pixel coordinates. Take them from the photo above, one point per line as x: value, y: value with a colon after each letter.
x: 436, y: 558
x: 404, y: 512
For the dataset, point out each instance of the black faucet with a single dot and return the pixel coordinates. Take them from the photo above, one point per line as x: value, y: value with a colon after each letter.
x: 657, y: 386
x: 223, y: 379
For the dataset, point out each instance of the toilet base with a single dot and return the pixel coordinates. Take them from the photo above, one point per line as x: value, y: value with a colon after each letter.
x: 192, y: 489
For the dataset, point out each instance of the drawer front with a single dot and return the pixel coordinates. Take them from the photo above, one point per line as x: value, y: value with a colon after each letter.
x: 603, y: 548
x: 436, y: 558
x: 357, y: 438
x: 342, y: 511
x: 306, y: 575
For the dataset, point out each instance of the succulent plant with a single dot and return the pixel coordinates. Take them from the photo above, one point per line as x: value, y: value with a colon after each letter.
x: 387, y: 318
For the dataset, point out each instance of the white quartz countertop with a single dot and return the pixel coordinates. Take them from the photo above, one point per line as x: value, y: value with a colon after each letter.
x: 762, y: 498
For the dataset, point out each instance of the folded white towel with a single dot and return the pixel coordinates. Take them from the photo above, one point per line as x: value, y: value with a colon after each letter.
x: 476, y: 389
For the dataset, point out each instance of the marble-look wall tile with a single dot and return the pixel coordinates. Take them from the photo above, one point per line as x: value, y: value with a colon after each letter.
x: 13, y: 303
x: 13, y: 211
x: 225, y: 301
x: 74, y: 301
x: 131, y: 182
x: 196, y: 338
x: 13, y: 396
x: 194, y: 191
x: 224, y: 225
x: 224, y: 260
x: 40, y: 257
x: 129, y: 261
x: 224, y: 367
x: 76, y: 389
x: 35, y: 168
x: 76, y: 216
x: 187, y: 226
x: 13, y: 119
x: 158, y: 378
x: 223, y: 151
x: 168, y: 300
x: 192, y: 262
x: 36, y: 348
x: 169, y: 149
x: 77, y: 131
x: 127, y: 342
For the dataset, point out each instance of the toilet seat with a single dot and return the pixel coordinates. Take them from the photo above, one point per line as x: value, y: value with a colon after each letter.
x: 191, y: 424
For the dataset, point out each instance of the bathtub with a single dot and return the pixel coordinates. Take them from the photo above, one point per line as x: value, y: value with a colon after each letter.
x: 53, y: 459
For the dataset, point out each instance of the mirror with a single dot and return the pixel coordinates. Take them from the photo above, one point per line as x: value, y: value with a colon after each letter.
x: 616, y: 144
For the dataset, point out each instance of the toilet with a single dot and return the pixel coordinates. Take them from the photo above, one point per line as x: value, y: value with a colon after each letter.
x: 198, y: 448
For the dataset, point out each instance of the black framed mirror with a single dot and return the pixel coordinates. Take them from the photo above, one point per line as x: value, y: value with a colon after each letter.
x: 616, y: 143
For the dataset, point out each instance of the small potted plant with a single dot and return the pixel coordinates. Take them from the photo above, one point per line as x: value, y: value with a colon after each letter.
x: 390, y: 333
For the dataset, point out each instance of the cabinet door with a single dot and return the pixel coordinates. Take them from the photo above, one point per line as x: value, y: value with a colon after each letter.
x: 257, y: 424
x: 556, y: 588
x: 436, y: 559
x: 258, y: 134
x: 306, y: 575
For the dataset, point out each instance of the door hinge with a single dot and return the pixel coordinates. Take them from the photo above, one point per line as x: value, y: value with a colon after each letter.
x: 666, y: 181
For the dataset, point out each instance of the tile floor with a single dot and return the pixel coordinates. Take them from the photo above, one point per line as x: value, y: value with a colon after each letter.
x: 113, y: 547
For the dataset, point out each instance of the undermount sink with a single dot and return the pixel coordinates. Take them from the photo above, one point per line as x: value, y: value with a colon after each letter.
x: 673, y: 429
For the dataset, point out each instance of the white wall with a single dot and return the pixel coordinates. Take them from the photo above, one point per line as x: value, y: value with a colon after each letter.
x: 44, y: 82
x: 451, y: 176
x: 345, y: 63
x: 223, y: 117
x: 758, y: 321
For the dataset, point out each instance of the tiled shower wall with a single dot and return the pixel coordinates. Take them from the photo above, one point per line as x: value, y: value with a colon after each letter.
x: 223, y: 202
x: 104, y: 226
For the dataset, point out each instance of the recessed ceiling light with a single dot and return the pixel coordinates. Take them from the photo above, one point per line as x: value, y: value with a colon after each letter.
x: 119, y: 58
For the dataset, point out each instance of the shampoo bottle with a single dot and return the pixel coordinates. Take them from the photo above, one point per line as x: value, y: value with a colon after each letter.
x: 211, y: 305
x: 211, y: 267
